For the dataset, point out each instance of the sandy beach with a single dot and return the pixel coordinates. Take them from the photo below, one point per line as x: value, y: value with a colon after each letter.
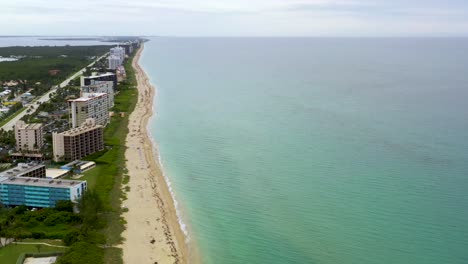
x: 153, y: 234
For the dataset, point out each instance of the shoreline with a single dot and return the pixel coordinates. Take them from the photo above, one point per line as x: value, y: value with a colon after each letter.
x: 153, y: 232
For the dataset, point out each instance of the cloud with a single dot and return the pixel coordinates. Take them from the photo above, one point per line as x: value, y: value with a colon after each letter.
x: 236, y: 17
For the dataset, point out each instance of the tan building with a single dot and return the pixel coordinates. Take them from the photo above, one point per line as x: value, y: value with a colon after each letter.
x: 29, y: 137
x: 90, y: 105
x: 78, y: 142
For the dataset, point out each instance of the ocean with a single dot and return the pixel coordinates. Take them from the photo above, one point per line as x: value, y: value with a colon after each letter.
x: 316, y: 150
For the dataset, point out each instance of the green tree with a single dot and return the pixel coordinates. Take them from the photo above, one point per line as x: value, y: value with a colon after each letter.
x: 89, y: 206
x: 66, y: 206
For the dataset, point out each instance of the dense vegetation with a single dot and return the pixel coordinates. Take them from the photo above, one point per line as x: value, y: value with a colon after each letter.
x: 51, y: 223
x: 58, y: 223
x: 39, y: 61
x: 54, y: 223
x: 54, y: 51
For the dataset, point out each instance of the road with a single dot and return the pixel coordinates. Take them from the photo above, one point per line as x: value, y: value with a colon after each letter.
x: 46, y: 97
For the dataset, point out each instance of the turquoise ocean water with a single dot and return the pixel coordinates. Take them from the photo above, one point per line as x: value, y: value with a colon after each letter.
x: 316, y: 150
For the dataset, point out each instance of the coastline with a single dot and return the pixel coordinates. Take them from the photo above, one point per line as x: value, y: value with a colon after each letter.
x: 153, y: 233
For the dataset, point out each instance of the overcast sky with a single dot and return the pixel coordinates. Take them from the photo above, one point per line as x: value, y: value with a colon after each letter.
x: 235, y: 17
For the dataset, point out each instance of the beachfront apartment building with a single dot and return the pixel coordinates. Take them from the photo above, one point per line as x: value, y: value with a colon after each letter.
x: 128, y: 47
x: 78, y: 142
x: 90, y: 105
x: 100, y: 87
x: 119, y: 52
x: 108, y: 76
x: 40, y: 193
x: 29, y: 137
x: 114, y: 62
x: 32, y: 170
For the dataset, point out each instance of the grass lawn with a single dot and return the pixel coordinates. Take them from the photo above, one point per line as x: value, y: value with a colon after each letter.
x: 10, y: 253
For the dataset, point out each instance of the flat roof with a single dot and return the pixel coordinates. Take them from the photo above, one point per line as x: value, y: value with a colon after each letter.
x: 42, y: 182
x: 79, y: 130
x: 23, y: 125
x: 87, y: 97
x: 100, y: 75
x: 79, y: 163
x: 20, y: 169
x: 98, y: 83
x: 31, y: 155
x: 55, y: 173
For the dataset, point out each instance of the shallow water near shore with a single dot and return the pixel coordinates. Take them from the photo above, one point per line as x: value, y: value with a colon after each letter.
x: 315, y: 150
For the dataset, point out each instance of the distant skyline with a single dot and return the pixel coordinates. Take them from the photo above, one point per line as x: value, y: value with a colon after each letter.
x: 346, y: 18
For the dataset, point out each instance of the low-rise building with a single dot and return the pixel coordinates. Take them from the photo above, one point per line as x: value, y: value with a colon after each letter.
x: 90, y: 105
x: 35, y: 192
x: 78, y: 142
x: 29, y: 137
x: 53, y: 173
x: 79, y: 166
x: 33, y: 170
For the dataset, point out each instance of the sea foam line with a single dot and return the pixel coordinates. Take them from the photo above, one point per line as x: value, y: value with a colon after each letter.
x: 156, y: 153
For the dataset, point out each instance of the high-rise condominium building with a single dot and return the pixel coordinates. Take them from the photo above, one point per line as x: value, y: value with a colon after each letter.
x: 29, y: 137
x: 78, y: 142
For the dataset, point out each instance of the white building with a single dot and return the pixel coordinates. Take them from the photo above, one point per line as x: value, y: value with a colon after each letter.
x: 114, y: 62
x: 29, y: 137
x: 90, y: 105
x: 100, y: 87
x: 119, y: 52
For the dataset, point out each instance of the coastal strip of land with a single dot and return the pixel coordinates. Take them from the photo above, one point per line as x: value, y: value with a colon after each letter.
x: 152, y: 234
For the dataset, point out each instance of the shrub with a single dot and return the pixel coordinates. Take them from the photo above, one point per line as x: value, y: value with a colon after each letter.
x: 57, y: 218
x: 38, y: 235
x: 19, y: 210
x: 66, y: 206
x: 82, y: 252
x: 71, y: 237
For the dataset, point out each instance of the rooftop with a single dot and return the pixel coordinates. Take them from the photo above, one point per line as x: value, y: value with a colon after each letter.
x: 22, y: 125
x: 88, y: 96
x: 78, y: 163
x: 20, y: 169
x: 55, y: 173
x: 96, y: 83
x: 100, y: 75
x: 79, y: 130
x: 38, y: 182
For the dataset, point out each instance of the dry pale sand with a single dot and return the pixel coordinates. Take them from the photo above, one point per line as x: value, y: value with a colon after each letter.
x: 153, y: 234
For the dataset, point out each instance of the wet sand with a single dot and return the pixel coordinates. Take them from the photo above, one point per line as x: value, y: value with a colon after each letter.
x: 153, y: 234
